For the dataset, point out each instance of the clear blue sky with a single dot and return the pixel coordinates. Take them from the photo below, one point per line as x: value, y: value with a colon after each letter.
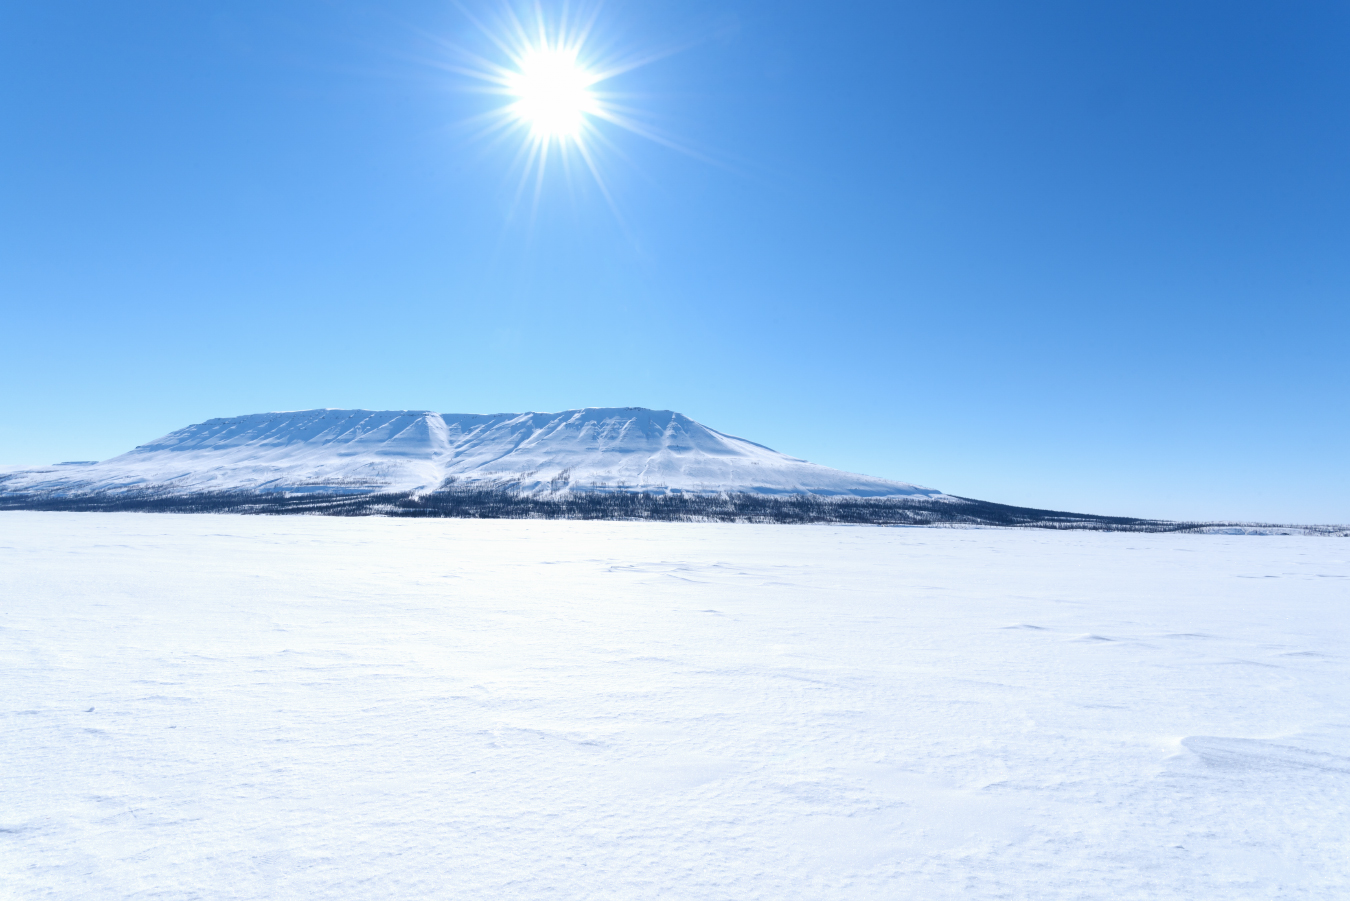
x: 1081, y: 256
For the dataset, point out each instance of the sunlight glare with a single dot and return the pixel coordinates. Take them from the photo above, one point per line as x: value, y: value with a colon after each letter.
x: 550, y: 73
x: 553, y: 92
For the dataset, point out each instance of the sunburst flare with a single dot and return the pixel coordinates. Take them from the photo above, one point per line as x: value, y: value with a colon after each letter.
x: 551, y: 80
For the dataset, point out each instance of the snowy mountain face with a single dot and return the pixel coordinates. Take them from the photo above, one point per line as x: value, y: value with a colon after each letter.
x: 360, y: 451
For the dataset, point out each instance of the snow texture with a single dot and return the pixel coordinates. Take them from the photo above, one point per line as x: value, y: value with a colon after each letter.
x: 224, y: 707
x: 630, y: 448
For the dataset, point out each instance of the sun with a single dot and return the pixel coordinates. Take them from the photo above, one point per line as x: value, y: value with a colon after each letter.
x: 551, y: 72
x: 553, y: 93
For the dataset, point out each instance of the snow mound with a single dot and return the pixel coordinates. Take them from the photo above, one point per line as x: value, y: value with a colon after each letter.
x: 363, y: 451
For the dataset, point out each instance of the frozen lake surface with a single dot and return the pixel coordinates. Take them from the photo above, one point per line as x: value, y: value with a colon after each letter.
x: 229, y: 707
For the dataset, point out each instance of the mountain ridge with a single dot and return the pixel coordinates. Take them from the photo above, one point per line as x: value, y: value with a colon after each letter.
x: 613, y: 463
x: 625, y: 449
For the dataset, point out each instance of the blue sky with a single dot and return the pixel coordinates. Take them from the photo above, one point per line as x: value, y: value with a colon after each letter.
x: 1081, y: 256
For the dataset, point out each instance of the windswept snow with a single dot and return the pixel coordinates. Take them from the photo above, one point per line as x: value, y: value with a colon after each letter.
x: 628, y: 448
x: 225, y: 707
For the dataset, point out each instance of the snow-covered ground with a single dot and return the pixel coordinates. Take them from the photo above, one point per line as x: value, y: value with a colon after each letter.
x: 226, y: 707
x: 606, y: 448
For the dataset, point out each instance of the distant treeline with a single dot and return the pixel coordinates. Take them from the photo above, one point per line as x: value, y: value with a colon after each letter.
x: 503, y: 502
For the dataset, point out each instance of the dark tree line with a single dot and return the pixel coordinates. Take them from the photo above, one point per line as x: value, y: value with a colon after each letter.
x: 501, y: 501
x: 506, y: 500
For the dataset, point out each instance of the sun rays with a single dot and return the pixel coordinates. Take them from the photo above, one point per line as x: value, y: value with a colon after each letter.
x: 550, y: 73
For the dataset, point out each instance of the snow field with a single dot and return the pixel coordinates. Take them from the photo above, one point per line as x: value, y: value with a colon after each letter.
x: 297, y: 707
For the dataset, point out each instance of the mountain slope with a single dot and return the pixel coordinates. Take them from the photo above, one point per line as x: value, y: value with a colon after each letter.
x: 360, y: 451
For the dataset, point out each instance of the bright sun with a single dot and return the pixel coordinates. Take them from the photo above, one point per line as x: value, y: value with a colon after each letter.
x: 553, y: 93
x: 552, y: 80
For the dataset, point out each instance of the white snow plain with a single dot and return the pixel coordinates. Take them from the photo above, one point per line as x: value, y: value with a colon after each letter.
x: 231, y: 707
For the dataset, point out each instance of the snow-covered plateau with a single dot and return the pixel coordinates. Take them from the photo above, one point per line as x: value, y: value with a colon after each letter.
x: 249, y: 707
x: 597, y: 448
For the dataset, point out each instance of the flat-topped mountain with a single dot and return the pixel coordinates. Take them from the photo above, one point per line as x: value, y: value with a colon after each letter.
x: 596, y: 449
x: 596, y: 463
